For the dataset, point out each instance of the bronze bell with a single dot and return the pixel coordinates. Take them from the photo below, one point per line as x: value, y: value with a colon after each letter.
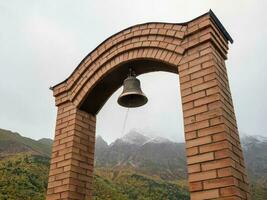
x: 132, y: 95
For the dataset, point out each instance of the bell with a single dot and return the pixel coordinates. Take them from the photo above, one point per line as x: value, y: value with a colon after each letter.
x: 132, y: 95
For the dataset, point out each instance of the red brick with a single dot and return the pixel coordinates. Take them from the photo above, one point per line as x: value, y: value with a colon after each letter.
x: 190, y: 70
x: 217, y: 164
x: 195, y: 186
x: 204, y: 86
x: 214, y: 147
x: 211, y: 130
x: 200, y: 158
x: 192, y: 151
x: 186, y: 92
x: 208, y: 115
x: 54, y: 184
x: 190, y: 135
x: 206, y: 194
x: 200, y: 60
x: 53, y: 197
x: 202, y: 73
x: 194, y: 111
x: 198, y: 141
x: 186, y: 59
x: 193, y: 96
x: 232, y: 191
x: 187, y: 106
x: 202, y: 176
x: 229, y: 171
x: 224, y: 153
x: 192, y: 83
x: 184, y: 79
x: 196, y: 126
x: 194, y: 168
x: 220, y: 182
x: 206, y: 100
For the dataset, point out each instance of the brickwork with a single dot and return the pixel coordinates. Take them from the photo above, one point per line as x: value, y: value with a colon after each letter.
x: 72, y: 160
x: 214, y: 155
x: 196, y: 51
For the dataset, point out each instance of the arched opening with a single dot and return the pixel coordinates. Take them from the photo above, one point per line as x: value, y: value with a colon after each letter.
x: 163, y: 91
x: 150, y: 151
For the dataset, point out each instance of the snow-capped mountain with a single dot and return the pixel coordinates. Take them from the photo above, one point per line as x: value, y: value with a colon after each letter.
x: 255, y: 154
x: 155, y: 156
x: 158, y: 140
x: 248, y: 141
x: 133, y: 137
x: 166, y: 158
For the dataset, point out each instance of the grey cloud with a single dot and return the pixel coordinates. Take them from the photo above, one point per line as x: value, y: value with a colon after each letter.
x: 43, y: 41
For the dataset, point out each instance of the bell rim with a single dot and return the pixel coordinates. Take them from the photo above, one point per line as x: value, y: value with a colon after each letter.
x: 136, y: 105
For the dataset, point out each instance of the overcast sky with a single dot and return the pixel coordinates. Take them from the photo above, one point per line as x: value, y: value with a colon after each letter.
x: 42, y: 42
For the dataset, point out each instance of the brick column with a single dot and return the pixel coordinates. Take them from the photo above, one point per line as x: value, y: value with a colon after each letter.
x: 71, y: 170
x: 214, y: 156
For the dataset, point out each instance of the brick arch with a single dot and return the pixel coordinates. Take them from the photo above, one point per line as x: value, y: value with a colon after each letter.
x: 111, y: 80
x: 197, y: 51
x: 152, y: 41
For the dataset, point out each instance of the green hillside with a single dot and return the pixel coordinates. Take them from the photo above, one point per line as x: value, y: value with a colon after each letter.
x: 24, y: 166
x: 23, y: 177
x: 137, y: 187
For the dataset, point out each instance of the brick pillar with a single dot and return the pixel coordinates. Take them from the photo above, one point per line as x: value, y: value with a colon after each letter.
x: 71, y: 170
x: 214, y: 156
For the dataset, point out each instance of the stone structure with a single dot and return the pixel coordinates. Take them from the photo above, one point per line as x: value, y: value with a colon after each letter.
x: 195, y: 50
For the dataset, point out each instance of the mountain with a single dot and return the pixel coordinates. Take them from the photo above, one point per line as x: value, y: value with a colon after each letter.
x: 165, y: 160
x: 134, y: 137
x: 12, y: 143
x: 132, y: 167
x: 25, y: 164
x: 46, y: 141
x: 151, y: 156
x: 255, y: 153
